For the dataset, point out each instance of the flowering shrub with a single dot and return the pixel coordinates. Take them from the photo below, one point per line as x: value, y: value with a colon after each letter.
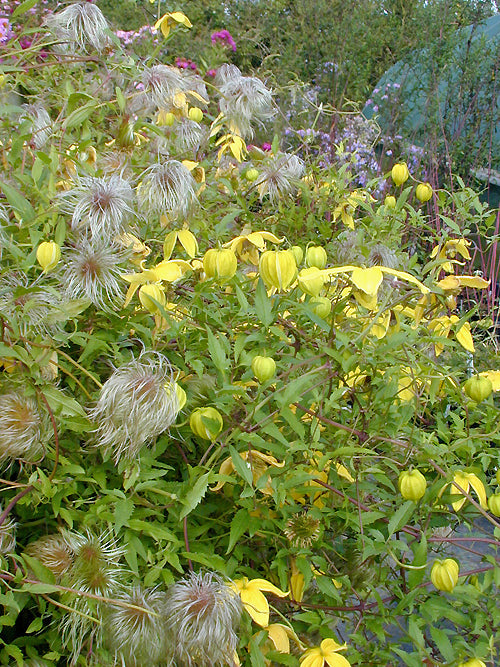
x: 219, y: 364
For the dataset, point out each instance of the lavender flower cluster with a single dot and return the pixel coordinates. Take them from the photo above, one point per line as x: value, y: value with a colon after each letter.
x: 224, y: 38
x: 130, y: 36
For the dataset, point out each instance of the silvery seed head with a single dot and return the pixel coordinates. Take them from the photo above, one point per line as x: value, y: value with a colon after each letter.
x: 79, y: 26
x: 137, y: 403
x: 28, y: 310
x: 189, y: 135
x: 54, y: 552
x: 101, y: 207
x: 93, y: 272
x: 7, y: 535
x: 279, y: 176
x: 201, y: 614
x: 381, y: 255
x: 22, y: 428
x: 167, y: 188
x: 245, y: 99
x: 226, y: 73
x: 41, y: 124
x: 161, y: 84
x: 135, y: 633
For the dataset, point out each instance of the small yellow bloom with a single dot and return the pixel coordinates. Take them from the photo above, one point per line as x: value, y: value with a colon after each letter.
x: 254, y: 601
x: 442, y: 327
x: 257, y: 462
x: 248, y: 246
x: 234, y: 143
x: 327, y: 653
x: 455, y: 283
x: 168, y: 21
x: 450, y: 250
x: 466, y: 480
x: 187, y: 240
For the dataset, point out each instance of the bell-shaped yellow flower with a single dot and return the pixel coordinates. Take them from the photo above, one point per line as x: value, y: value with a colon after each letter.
x: 253, y: 599
x: 187, y: 240
x: 450, y: 249
x: 326, y: 652
x: 258, y: 464
x: 248, y: 246
x: 467, y: 480
x: 168, y: 21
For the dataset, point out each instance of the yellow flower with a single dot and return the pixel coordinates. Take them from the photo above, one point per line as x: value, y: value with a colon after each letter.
x: 139, y: 250
x: 450, y: 249
x: 493, y: 377
x: 327, y: 653
x: 234, y: 143
x: 167, y: 21
x: 346, y: 208
x: 187, y: 240
x: 169, y: 271
x: 466, y: 480
x: 254, y: 601
x: 248, y: 246
x: 257, y: 463
x: 455, y: 283
x: 442, y: 327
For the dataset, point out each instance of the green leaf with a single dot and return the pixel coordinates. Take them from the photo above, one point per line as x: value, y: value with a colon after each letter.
x: 124, y: 508
x: 122, y: 103
x: 15, y: 652
x: 79, y: 116
x: 263, y: 305
x: 217, y: 351
x: 39, y: 588
x: 239, y: 524
x: 241, y: 466
x: 416, y: 577
x: 61, y: 403
x: 443, y: 643
x: 195, y: 495
x: 18, y: 202
x: 35, y: 626
x: 23, y: 8
x: 401, y: 516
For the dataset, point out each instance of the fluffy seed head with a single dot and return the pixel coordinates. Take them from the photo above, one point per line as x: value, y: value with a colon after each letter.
x: 41, y: 124
x: 53, y: 552
x: 302, y: 530
x: 137, y: 636
x: 243, y: 99
x: 21, y: 428
x: 79, y: 26
x: 161, y: 84
x: 280, y: 176
x: 167, y: 188
x: 7, y: 535
x: 189, y: 135
x: 93, y: 272
x: 137, y: 403
x: 102, y: 207
x: 201, y: 614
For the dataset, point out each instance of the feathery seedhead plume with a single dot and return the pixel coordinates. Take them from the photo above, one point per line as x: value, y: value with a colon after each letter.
x: 189, y: 135
x: 161, y: 85
x: 225, y: 73
x: 93, y: 272
x: 137, y: 403
x: 137, y: 635
x: 243, y: 99
x: 302, y: 530
x: 7, y: 535
x: 79, y: 26
x: 54, y: 553
x: 381, y: 255
x: 167, y: 188
x: 40, y: 122
x: 201, y: 614
x: 279, y: 176
x: 22, y: 428
x: 102, y: 207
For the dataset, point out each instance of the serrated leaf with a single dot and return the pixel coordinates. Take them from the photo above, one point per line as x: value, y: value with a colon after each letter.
x: 124, y: 508
x: 239, y: 524
x: 18, y: 202
x: 61, y: 403
x: 217, y: 351
x: 240, y: 465
x: 263, y: 305
x: 443, y: 643
x: 195, y: 495
x: 401, y: 516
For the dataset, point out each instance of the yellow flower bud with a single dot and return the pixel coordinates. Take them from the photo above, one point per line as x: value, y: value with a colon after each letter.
x: 423, y: 192
x: 195, y: 114
x: 209, y: 429
x: 220, y: 263
x: 494, y: 504
x: 390, y: 201
x: 251, y: 174
x: 316, y: 256
x: 298, y: 253
x: 478, y: 388
x: 149, y: 292
x: 277, y: 268
x: 48, y: 254
x: 444, y: 574
x: 400, y: 173
x: 311, y: 281
x: 165, y: 118
x: 321, y: 306
x: 412, y: 484
x: 263, y: 368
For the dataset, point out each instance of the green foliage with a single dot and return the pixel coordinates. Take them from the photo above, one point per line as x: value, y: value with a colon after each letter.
x: 115, y: 497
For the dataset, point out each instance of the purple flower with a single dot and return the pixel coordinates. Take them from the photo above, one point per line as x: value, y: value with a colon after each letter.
x: 266, y: 146
x: 6, y: 31
x: 211, y: 72
x: 224, y: 38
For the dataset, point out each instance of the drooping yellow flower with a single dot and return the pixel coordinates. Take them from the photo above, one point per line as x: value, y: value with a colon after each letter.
x: 232, y: 143
x: 455, y: 283
x: 493, y: 377
x: 326, y: 652
x: 345, y: 210
x: 187, y: 240
x: 297, y: 582
x: 139, y: 249
x: 442, y: 327
x: 168, y: 21
x: 254, y: 601
x: 450, y: 250
x: 248, y: 246
x: 169, y: 271
x: 257, y: 462
x: 466, y: 480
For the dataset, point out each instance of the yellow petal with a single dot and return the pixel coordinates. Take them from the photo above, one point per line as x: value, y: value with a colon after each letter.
x: 343, y: 472
x: 297, y: 585
x: 168, y: 246
x: 279, y: 636
x: 368, y: 280
x: 407, y: 277
x: 263, y: 585
x: 478, y: 487
x: 264, y: 457
x: 331, y: 646
x: 473, y: 281
x: 226, y: 468
x: 312, y: 658
x: 494, y: 377
x: 337, y: 660
x: 256, y: 605
x: 366, y: 301
x: 461, y: 479
x: 148, y: 276
x: 179, y: 17
x: 269, y: 236
x: 171, y: 270
x: 188, y: 242
x: 449, y: 283
x: 464, y: 337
